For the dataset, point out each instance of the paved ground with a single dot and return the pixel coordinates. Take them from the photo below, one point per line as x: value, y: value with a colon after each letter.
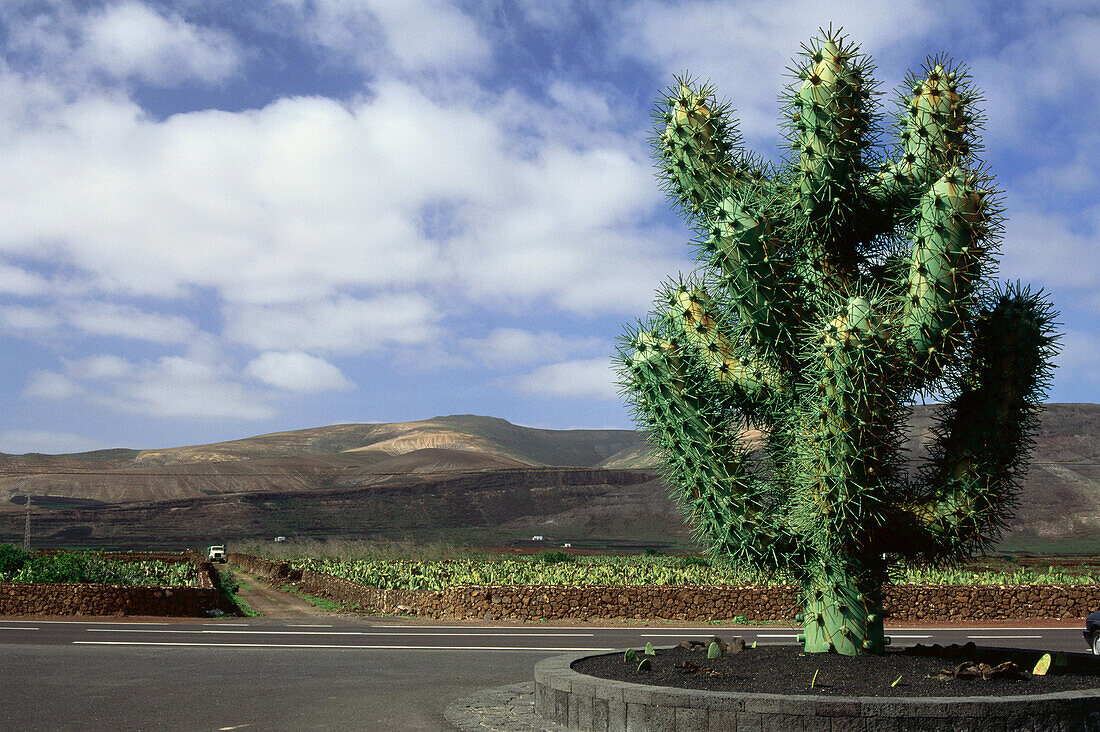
x: 340, y: 673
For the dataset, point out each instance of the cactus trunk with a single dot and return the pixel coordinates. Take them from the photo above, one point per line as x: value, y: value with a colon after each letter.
x: 843, y: 614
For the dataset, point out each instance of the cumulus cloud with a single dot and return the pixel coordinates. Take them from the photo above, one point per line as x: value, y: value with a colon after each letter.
x: 1052, y: 250
x: 179, y: 386
x: 96, y: 318
x: 102, y: 366
x: 27, y: 320
x: 18, y: 281
x: 580, y: 379
x: 1079, y: 359
x: 506, y: 347
x: 131, y: 40
x: 122, y: 41
x: 419, y: 35
x: 297, y: 371
x: 198, y: 385
x: 126, y: 321
x: 340, y: 325
x: 50, y: 385
x: 44, y: 441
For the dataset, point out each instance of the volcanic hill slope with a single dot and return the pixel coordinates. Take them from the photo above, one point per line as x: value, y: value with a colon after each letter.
x: 459, y: 478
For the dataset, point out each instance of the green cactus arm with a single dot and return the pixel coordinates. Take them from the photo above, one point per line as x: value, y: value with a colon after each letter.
x: 757, y: 274
x: 751, y: 381
x: 829, y: 118
x: 709, y: 470
x: 697, y: 144
x: 950, y: 243
x: 983, y: 435
x: 938, y: 118
x: 938, y: 123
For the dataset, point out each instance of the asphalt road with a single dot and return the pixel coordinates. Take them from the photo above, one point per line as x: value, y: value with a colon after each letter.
x: 334, y: 673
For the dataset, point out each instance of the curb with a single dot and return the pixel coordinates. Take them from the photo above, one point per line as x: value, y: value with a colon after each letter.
x: 588, y: 703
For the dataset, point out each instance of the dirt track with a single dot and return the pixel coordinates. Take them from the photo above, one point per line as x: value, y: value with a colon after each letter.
x: 273, y: 603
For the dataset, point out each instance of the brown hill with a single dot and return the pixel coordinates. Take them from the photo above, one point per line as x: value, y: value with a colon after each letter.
x: 414, y: 479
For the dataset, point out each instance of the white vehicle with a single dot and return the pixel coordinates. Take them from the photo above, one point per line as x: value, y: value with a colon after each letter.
x: 216, y: 554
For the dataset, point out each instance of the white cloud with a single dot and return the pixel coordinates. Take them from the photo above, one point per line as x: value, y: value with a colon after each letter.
x: 18, y: 442
x: 341, y: 325
x: 20, y: 282
x: 297, y: 371
x: 307, y: 198
x: 124, y: 321
x: 95, y: 318
x: 50, y: 385
x: 505, y: 347
x: 179, y: 386
x: 121, y: 41
x: 198, y: 385
x: 1079, y: 359
x: 131, y: 40
x: 103, y: 366
x: 1044, y: 248
x: 1022, y: 91
x: 421, y: 35
x: 581, y: 379
x: 27, y: 320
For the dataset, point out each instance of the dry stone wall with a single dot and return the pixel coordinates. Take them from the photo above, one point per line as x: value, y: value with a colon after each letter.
x: 58, y: 598
x: 686, y: 603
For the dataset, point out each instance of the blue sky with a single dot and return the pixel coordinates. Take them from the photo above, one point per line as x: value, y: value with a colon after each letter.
x: 228, y: 218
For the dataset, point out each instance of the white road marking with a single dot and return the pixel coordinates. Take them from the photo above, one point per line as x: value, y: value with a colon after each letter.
x: 85, y: 622
x: 625, y: 629
x: 542, y: 649
x: 990, y: 637
x: 767, y: 635
x: 225, y: 625
x: 1009, y: 629
x: 306, y: 625
x: 15, y: 628
x: 673, y: 635
x: 334, y: 632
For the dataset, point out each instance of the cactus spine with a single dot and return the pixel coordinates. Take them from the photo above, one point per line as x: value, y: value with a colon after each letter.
x: 833, y: 290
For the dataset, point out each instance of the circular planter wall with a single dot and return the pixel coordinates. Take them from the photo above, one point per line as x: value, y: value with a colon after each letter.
x: 585, y: 703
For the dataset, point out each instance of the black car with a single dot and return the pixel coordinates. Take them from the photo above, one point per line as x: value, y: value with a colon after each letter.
x: 1092, y: 632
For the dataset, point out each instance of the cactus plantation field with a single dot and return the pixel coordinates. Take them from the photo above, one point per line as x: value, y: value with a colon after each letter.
x: 17, y: 565
x: 436, y: 567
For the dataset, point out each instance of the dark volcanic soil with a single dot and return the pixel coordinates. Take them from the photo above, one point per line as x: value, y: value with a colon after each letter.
x: 787, y: 670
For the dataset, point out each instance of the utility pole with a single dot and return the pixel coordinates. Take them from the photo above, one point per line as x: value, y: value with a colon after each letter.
x: 27, y: 527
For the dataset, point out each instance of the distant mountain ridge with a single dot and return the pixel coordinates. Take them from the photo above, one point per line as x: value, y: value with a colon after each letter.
x: 489, y: 436
x: 1059, y: 502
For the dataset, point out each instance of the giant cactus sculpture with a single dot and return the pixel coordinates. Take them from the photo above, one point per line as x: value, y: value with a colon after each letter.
x: 835, y: 289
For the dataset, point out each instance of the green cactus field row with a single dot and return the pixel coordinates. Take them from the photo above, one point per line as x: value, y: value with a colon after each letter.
x: 552, y: 569
x: 17, y: 565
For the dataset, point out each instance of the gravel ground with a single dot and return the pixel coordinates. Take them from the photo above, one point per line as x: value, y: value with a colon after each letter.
x: 787, y: 670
